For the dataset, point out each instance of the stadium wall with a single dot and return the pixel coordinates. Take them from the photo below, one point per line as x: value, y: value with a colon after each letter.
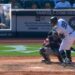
x: 34, y: 23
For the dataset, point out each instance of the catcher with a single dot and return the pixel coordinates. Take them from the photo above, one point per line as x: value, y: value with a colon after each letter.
x: 51, y: 47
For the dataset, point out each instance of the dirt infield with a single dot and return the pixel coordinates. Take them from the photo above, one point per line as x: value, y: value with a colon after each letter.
x: 31, y: 65
x: 20, y: 41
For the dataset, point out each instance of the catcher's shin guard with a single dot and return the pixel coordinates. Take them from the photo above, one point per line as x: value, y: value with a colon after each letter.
x: 59, y: 58
x: 63, y: 55
x: 43, y: 53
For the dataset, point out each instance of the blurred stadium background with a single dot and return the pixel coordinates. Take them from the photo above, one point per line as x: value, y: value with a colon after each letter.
x: 28, y: 4
x: 30, y: 18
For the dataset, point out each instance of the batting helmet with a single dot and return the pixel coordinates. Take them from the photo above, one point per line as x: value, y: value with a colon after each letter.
x: 53, y: 19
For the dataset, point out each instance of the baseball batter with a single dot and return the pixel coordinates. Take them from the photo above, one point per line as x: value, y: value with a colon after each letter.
x: 62, y: 27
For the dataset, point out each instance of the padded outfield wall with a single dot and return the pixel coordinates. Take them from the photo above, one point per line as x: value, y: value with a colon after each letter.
x: 34, y: 23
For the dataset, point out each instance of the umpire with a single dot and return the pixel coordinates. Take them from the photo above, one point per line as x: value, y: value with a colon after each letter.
x: 51, y: 47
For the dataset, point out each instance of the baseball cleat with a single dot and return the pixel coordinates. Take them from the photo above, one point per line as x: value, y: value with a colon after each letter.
x: 46, y: 61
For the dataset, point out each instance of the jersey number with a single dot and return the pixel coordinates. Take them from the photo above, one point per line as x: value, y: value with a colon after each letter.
x: 64, y: 24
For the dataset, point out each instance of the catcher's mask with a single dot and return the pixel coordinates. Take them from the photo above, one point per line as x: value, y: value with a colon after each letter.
x: 53, y: 20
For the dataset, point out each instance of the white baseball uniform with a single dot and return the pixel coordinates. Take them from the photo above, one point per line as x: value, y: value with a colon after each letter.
x: 63, y: 28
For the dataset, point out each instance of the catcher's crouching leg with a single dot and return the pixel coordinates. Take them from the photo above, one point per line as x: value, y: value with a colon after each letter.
x: 57, y: 53
x: 45, y: 56
x: 59, y: 57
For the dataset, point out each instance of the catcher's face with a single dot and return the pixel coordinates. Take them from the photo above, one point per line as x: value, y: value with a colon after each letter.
x: 53, y: 24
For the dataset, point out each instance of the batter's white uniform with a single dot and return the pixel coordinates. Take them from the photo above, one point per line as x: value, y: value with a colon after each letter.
x: 63, y: 28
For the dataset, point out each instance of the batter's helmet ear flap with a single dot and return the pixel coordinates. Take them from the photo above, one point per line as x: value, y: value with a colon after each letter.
x: 53, y: 19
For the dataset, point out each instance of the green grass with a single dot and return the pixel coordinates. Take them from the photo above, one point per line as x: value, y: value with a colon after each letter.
x: 29, y: 47
x: 73, y: 53
x: 24, y: 50
x: 2, y: 47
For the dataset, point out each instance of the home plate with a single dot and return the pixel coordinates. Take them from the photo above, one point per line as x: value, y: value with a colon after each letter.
x: 36, y: 68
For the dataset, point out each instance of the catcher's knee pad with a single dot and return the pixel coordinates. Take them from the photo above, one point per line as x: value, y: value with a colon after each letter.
x: 44, y: 54
x: 42, y: 50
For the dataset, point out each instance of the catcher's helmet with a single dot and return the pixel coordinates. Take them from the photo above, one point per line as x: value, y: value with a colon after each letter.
x: 53, y: 19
